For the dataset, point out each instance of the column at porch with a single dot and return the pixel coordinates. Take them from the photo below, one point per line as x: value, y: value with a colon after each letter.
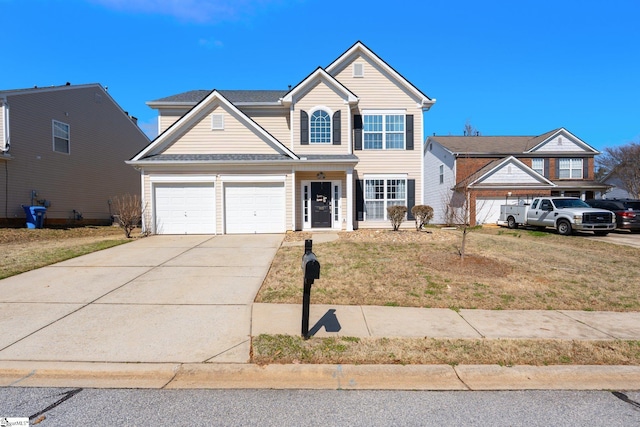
x: 350, y: 199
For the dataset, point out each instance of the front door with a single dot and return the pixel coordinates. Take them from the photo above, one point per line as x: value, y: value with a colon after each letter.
x: 321, y: 204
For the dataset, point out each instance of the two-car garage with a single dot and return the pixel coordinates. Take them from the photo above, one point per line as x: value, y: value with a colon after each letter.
x: 243, y: 207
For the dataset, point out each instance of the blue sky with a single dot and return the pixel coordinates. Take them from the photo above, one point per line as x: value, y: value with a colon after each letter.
x: 510, y: 68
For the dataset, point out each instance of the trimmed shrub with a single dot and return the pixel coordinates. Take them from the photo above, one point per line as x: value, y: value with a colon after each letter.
x: 396, y: 215
x: 423, y: 214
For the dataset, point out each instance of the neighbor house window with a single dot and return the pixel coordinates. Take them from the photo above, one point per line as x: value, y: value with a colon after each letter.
x: 570, y: 168
x: 320, y: 127
x: 441, y: 174
x: 61, y: 141
x: 380, y: 193
x: 538, y: 165
x: 383, y: 131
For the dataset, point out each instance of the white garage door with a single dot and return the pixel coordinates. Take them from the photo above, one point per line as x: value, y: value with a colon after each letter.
x: 254, y: 207
x: 185, y: 208
x: 488, y: 210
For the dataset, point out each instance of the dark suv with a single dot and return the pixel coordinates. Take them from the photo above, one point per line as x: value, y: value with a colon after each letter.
x: 627, y: 211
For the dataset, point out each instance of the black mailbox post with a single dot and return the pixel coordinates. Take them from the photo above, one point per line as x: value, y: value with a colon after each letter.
x: 311, y: 271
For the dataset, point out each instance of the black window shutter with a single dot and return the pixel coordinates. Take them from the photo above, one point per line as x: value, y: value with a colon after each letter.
x: 557, y: 169
x: 411, y: 197
x: 585, y: 168
x: 304, y: 128
x: 359, y: 200
x: 357, y: 133
x: 336, y: 128
x: 409, y: 131
x: 546, y: 168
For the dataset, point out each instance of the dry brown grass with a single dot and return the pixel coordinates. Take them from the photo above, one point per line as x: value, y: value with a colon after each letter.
x: 281, y: 349
x: 503, y: 269
x: 26, y: 249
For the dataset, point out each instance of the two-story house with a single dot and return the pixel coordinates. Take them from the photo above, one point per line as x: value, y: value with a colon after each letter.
x: 479, y: 173
x: 333, y: 152
x: 65, y: 147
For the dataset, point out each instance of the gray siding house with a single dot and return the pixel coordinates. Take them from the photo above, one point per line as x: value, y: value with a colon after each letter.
x: 65, y: 147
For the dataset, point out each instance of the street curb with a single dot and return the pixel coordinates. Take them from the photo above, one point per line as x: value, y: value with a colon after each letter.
x: 316, y: 377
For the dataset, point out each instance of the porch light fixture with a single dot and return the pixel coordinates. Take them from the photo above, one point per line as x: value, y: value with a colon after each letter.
x: 320, y: 175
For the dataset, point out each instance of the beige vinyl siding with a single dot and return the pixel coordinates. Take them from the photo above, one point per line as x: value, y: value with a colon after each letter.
x: 102, y: 138
x: 182, y: 174
x: 235, y: 138
x: 168, y: 117
x: 378, y: 90
x: 276, y: 122
x: 322, y: 95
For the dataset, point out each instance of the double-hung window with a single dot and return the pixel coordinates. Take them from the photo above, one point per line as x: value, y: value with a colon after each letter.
x: 320, y: 127
x: 384, y: 130
x: 538, y: 165
x: 570, y: 168
x: 382, y: 192
x: 61, y: 140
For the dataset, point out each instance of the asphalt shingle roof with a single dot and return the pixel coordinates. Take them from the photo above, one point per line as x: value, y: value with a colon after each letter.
x: 243, y: 157
x: 503, y: 145
x: 234, y: 96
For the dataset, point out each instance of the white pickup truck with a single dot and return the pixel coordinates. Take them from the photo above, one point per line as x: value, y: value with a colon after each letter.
x: 565, y: 214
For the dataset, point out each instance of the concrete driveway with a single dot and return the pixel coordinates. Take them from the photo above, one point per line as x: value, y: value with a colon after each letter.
x: 184, y: 299
x: 620, y: 237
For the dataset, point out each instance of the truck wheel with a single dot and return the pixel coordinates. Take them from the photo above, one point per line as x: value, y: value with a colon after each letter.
x: 563, y: 227
x: 511, y: 222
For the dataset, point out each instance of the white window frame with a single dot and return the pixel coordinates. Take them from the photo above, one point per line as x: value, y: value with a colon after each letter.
x: 385, y: 199
x: 384, y: 114
x: 574, y: 170
x: 538, y: 168
x: 330, y: 117
x: 441, y: 174
x: 55, y: 125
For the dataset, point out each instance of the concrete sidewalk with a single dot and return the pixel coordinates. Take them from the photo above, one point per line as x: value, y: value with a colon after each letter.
x: 398, y: 322
x: 178, y: 312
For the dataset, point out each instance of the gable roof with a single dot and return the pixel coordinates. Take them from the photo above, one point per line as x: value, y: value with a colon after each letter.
x: 359, y: 48
x: 495, y: 165
x: 171, y: 134
x: 501, y: 145
x: 319, y: 75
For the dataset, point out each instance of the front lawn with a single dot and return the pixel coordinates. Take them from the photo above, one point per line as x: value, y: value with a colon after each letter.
x: 503, y: 269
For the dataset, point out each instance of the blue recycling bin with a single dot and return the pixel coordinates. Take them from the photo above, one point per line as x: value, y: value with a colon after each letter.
x: 35, y: 216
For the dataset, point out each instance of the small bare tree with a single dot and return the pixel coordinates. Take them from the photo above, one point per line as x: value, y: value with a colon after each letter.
x: 423, y: 214
x: 396, y: 215
x: 458, y: 211
x: 128, y: 212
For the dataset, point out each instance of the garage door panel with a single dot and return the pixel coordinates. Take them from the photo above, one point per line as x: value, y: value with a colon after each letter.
x: 488, y: 210
x: 185, y: 208
x: 255, y: 208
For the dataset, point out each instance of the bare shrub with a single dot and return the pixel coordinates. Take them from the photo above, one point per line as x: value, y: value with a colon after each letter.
x: 396, y: 215
x: 128, y: 212
x: 423, y: 214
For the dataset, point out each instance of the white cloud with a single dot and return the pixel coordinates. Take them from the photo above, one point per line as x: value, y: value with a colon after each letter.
x: 201, y: 11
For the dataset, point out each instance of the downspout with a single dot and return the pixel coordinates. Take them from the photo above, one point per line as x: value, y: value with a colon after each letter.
x: 6, y: 143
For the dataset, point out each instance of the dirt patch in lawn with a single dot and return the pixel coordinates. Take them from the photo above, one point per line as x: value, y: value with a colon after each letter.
x: 503, y: 269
